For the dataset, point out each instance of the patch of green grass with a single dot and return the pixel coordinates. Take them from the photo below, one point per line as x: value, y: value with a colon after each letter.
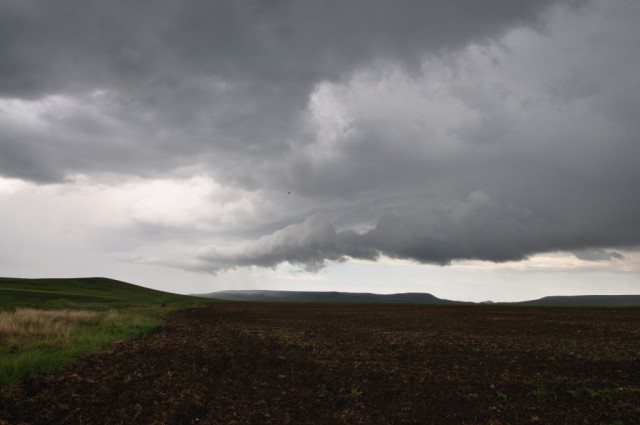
x: 23, y: 356
x: 501, y: 395
x: 574, y: 393
x: 118, y: 311
x: 323, y: 391
x: 542, y: 391
x: 355, y: 392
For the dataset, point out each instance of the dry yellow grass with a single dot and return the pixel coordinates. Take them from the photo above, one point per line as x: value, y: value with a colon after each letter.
x: 28, y: 322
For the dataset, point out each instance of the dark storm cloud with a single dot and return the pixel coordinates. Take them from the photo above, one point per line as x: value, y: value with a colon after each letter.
x: 48, y: 47
x: 223, y: 78
x: 436, y: 232
x: 401, y: 128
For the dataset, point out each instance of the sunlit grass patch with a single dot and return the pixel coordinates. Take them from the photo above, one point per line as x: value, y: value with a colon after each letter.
x: 29, y: 322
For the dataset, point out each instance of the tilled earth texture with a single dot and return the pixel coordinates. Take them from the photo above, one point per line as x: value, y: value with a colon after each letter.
x: 253, y: 363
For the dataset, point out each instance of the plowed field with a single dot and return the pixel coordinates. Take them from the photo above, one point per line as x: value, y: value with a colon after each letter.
x: 353, y: 364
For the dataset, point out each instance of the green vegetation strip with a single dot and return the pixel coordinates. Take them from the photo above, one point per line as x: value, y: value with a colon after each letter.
x: 44, y: 323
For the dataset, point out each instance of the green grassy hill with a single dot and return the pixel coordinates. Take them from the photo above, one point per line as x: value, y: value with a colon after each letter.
x: 92, y: 292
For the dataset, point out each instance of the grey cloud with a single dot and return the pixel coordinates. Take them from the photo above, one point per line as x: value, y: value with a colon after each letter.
x: 435, y: 231
x: 222, y: 79
x: 310, y: 243
x: 598, y: 255
x: 26, y: 160
x: 460, y: 157
x: 473, y: 228
x: 55, y: 45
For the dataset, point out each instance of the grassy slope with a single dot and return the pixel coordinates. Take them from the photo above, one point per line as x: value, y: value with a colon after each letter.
x: 126, y: 311
x: 93, y: 293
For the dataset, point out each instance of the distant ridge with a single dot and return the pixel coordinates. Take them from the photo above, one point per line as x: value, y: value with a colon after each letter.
x: 257, y: 295
x: 587, y: 300
x: 416, y: 298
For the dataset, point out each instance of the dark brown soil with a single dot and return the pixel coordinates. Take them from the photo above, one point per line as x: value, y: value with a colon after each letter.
x: 354, y: 364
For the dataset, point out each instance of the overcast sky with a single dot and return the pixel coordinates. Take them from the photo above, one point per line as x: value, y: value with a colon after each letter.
x: 473, y: 150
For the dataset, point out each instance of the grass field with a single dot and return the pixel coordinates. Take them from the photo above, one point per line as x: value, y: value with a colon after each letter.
x: 46, y: 322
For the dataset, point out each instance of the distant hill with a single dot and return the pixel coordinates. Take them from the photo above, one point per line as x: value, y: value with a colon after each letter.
x: 587, y: 300
x: 97, y: 291
x: 415, y: 298
x: 248, y: 295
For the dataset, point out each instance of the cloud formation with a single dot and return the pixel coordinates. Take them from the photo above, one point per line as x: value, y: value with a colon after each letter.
x: 147, y: 87
x: 433, y: 131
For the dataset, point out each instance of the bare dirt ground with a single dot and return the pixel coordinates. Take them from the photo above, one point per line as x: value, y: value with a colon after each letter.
x: 353, y: 364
